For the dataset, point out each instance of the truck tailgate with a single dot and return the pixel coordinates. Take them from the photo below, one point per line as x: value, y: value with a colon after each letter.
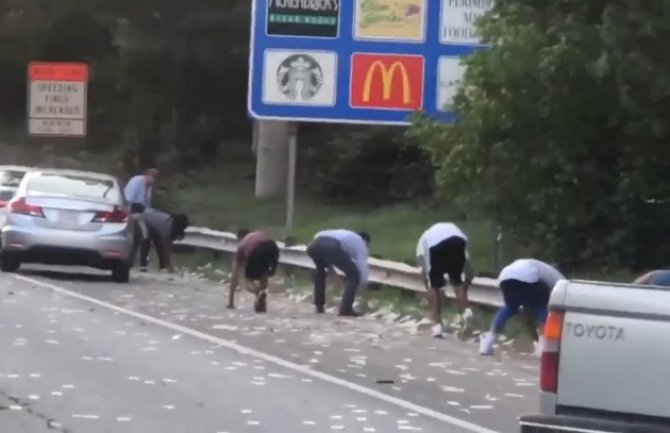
x: 615, y: 349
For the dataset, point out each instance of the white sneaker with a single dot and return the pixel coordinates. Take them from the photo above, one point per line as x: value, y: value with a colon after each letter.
x: 467, y: 318
x: 437, y: 330
x: 486, y: 343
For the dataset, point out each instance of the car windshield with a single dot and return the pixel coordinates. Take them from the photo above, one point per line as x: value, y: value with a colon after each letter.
x: 11, y: 178
x: 76, y: 186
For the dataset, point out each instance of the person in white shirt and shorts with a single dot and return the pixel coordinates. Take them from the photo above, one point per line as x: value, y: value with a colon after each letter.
x: 442, y: 250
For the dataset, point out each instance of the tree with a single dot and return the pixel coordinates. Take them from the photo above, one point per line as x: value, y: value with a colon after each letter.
x: 562, y: 134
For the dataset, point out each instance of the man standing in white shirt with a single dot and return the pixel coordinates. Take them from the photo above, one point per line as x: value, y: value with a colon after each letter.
x: 442, y: 249
x: 347, y: 251
x: 524, y: 283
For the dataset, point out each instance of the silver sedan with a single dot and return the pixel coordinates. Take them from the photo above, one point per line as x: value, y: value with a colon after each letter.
x: 66, y: 217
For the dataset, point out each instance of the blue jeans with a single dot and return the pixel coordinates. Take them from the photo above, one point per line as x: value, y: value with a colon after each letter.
x: 533, y: 297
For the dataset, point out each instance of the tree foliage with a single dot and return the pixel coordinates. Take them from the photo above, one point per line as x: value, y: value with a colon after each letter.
x: 161, y: 71
x: 563, y: 129
x: 371, y: 167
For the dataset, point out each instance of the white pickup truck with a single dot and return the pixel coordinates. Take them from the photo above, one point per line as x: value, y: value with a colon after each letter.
x: 606, y: 360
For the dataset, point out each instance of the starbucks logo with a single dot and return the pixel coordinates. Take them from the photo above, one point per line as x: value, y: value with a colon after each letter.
x: 299, y: 77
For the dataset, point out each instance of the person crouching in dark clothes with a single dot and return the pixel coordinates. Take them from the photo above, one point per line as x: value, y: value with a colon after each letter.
x: 258, y: 255
x: 160, y: 229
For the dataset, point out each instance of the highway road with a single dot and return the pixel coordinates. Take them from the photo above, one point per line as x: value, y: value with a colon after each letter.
x: 162, y: 354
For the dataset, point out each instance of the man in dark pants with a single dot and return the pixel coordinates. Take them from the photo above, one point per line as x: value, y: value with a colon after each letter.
x: 258, y: 255
x: 442, y: 249
x: 162, y: 229
x: 346, y: 251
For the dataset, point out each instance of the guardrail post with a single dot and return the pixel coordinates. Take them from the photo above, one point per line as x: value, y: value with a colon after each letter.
x: 290, y: 179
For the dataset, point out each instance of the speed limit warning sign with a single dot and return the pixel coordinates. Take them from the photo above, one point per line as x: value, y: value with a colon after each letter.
x: 57, y: 99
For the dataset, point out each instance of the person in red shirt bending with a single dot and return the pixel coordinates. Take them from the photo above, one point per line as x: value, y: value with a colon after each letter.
x: 258, y: 255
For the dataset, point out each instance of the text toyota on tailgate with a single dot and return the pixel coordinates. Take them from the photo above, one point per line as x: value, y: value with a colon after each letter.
x: 606, y: 361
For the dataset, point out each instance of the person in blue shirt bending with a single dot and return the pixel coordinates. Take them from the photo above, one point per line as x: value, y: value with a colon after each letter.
x: 347, y: 251
x: 660, y: 277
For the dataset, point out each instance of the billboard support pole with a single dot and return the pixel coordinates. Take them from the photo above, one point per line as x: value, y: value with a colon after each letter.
x: 290, y: 179
x: 271, y: 158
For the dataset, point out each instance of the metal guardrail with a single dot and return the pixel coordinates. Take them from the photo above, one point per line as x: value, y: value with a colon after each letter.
x: 483, y: 291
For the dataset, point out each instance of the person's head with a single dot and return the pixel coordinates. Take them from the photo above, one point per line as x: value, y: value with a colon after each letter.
x: 150, y: 176
x: 241, y: 233
x: 180, y: 223
x: 365, y: 236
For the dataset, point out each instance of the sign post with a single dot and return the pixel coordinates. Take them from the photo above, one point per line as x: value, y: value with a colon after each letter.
x: 57, y: 99
x: 290, y: 184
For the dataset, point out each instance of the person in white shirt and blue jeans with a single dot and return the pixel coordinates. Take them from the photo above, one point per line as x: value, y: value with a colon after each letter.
x: 442, y: 249
x: 347, y: 251
x: 524, y: 283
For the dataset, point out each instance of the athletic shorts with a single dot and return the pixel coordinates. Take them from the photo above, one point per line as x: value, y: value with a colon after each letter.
x: 533, y: 297
x: 447, y: 257
x: 262, y: 262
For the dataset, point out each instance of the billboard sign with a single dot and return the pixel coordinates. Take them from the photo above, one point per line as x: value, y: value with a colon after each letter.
x: 359, y: 61
x: 57, y: 99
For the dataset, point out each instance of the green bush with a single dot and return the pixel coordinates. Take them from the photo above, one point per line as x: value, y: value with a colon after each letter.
x: 563, y: 131
x: 371, y: 166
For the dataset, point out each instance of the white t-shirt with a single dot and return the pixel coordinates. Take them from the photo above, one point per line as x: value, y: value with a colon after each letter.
x: 531, y: 271
x: 433, y: 236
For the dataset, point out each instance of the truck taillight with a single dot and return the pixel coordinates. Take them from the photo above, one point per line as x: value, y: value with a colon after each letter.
x: 550, y: 352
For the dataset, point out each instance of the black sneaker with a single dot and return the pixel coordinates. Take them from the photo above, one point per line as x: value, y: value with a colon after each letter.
x: 351, y: 313
x: 320, y: 309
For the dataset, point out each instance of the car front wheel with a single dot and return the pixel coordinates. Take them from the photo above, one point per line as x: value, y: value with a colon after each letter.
x: 121, y: 273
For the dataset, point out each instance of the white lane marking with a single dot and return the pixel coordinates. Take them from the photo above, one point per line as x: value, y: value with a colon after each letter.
x: 268, y: 358
x: 85, y: 416
x: 560, y: 428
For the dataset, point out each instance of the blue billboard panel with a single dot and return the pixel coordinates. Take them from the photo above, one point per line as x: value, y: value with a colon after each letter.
x: 359, y: 61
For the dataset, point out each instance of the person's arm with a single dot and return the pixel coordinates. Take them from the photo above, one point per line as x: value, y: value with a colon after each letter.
x: 163, y: 246
x: 167, y: 254
x: 469, y: 272
x: 421, y: 262
x: 362, y: 255
x: 645, y: 279
x: 147, y: 197
x: 234, y: 282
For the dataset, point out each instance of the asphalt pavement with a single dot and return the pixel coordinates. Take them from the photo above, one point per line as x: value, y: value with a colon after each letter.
x: 162, y: 354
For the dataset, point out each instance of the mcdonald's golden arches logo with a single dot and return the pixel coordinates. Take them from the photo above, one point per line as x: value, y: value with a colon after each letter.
x: 387, y: 81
